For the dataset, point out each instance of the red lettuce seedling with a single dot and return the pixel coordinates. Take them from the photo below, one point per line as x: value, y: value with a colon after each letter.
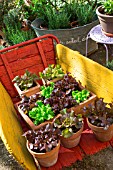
x: 44, y: 139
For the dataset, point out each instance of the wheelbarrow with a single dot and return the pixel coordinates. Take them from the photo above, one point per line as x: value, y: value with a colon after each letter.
x: 35, y: 55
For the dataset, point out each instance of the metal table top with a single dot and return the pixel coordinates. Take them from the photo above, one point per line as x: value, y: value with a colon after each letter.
x: 97, y: 35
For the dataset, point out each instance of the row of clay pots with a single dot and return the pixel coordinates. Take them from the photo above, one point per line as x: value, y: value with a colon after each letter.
x: 50, y: 158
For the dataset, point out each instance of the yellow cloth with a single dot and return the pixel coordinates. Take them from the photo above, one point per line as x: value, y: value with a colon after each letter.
x: 11, y: 132
x: 94, y: 76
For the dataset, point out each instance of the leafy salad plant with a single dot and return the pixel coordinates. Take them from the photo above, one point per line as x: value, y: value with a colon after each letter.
x: 44, y: 139
x: 100, y: 114
x: 80, y: 96
x: 68, y: 122
x: 47, y: 90
x: 51, y: 72
x: 61, y: 96
x: 25, y: 81
x: 41, y: 113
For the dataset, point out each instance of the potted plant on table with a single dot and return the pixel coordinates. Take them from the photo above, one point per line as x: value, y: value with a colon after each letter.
x: 105, y: 16
x: 43, y: 144
x: 70, y: 126
x: 26, y: 84
x: 100, y: 119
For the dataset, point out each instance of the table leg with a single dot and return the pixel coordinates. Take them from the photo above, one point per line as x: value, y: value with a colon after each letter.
x: 106, y: 53
x: 88, y: 36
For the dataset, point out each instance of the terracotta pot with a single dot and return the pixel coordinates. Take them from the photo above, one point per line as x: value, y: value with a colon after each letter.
x: 73, y: 140
x: 28, y: 92
x: 101, y: 134
x: 45, y: 159
x: 106, y: 22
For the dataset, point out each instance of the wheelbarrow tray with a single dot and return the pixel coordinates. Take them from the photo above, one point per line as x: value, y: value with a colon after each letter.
x: 92, y: 75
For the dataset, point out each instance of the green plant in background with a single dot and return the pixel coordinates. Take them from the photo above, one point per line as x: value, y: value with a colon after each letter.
x: 12, y: 29
x: 56, y: 19
x: 68, y: 123
x: 82, y: 11
x: 88, y: 11
x: 5, y: 6
x: 80, y: 96
x: 108, y: 6
x: 110, y: 65
x: 53, y: 12
x: 59, y: 14
x: 41, y: 113
x: 16, y: 36
x: 25, y: 81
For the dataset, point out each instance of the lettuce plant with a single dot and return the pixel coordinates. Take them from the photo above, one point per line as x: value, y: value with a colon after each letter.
x: 41, y: 113
x: 25, y: 81
x: 100, y: 114
x: 44, y: 139
x: 68, y: 122
x: 80, y: 96
x: 51, y: 72
x: 47, y: 90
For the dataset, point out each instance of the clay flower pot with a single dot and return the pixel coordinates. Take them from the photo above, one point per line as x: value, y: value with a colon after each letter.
x: 64, y: 119
x: 73, y: 140
x: 106, y: 22
x: 45, y: 159
x: 100, y: 133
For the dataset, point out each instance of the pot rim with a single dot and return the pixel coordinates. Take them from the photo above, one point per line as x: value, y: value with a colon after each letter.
x: 97, y: 126
x: 77, y: 133
x: 54, y: 30
x: 102, y: 15
x: 34, y: 153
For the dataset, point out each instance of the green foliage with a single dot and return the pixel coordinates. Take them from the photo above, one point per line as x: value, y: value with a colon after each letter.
x: 70, y: 10
x: 59, y: 14
x: 108, y: 6
x: 57, y: 19
x: 80, y: 96
x: 47, y: 90
x: 41, y: 113
x: 16, y: 36
x: 5, y: 7
x: 85, y: 13
x: 51, y: 72
x: 25, y: 81
x: 110, y: 65
x: 68, y: 122
x: 12, y: 29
